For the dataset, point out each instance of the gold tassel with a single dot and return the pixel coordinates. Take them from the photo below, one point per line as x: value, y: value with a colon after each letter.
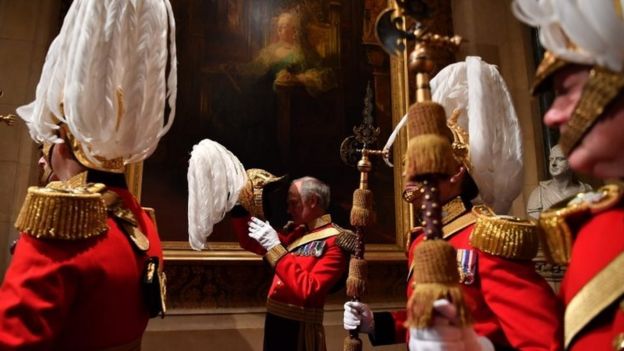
x: 435, y: 277
x: 352, y: 344
x: 361, y: 217
x: 356, y: 281
x: 420, y: 310
x: 428, y: 117
x: 363, y: 198
x: 429, y: 150
x: 429, y: 153
x: 362, y: 213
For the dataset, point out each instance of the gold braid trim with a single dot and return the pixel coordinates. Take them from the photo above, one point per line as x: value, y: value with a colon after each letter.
x: 555, y: 232
x: 275, y: 254
x: 504, y: 236
x: 313, y: 236
x: 452, y: 210
x: 50, y: 213
x: 115, y: 165
x: 600, y: 292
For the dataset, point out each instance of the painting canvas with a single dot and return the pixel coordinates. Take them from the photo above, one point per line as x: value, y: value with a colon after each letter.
x: 280, y: 84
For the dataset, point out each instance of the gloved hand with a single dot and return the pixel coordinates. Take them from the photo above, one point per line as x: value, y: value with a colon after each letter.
x: 263, y: 233
x: 444, y: 335
x: 358, y: 314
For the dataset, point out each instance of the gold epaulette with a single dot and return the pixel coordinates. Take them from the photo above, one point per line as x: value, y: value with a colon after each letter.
x: 346, y: 240
x: 504, y: 236
x: 554, y: 222
x: 68, y: 210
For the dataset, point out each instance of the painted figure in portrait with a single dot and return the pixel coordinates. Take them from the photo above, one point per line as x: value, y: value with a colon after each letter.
x: 248, y: 105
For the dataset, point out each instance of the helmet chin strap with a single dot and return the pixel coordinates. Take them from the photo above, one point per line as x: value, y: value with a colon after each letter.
x: 602, y: 87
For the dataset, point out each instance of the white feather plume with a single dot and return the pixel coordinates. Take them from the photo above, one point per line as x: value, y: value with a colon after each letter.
x: 487, y: 114
x: 580, y: 31
x: 107, y: 69
x: 215, y: 179
x: 392, y: 138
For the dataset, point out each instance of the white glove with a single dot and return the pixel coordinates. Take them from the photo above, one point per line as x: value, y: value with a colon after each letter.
x: 358, y: 314
x: 263, y: 233
x: 444, y: 335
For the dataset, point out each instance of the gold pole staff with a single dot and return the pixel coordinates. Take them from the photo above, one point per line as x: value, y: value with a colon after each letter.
x: 429, y: 158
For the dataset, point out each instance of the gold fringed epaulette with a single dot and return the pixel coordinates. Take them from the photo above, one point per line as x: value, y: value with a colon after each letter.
x: 554, y: 222
x: 504, y: 236
x: 346, y: 240
x: 68, y: 210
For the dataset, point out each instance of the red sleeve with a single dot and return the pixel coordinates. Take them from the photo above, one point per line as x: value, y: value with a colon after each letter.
x: 316, y: 282
x: 36, y: 295
x: 525, y: 306
x: 400, y: 332
x: 241, y: 225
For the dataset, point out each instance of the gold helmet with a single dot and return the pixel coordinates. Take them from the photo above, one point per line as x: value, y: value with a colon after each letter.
x: 253, y: 196
x: 583, y: 33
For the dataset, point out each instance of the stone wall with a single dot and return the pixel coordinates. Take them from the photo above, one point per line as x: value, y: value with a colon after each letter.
x: 26, y: 30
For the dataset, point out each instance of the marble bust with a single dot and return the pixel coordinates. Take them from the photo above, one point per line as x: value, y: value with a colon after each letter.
x: 562, y: 185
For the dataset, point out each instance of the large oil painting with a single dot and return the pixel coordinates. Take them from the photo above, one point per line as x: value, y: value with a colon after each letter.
x: 279, y: 83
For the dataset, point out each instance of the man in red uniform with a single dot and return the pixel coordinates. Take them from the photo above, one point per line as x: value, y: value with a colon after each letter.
x: 309, y: 261
x: 86, y: 273
x: 510, y: 304
x: 584, y: 64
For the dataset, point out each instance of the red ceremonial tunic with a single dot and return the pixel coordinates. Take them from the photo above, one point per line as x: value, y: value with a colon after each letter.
x: 593, y: 286
x: 510, y: 303
x: 77, y: 295
x: 304, y: 276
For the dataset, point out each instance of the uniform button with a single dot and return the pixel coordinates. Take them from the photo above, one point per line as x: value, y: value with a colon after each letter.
x: 618, y: 342
x: 279, y: 283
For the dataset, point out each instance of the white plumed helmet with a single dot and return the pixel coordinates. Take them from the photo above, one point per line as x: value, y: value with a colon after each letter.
x: 487, y: 138
x: 479, y: 93
x: 215, y: 179
x: 584, y: 32
x: 105, y: 82
x: 579, y: 32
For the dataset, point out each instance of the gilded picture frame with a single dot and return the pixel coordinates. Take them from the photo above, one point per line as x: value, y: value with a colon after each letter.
x: 220, y: 251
